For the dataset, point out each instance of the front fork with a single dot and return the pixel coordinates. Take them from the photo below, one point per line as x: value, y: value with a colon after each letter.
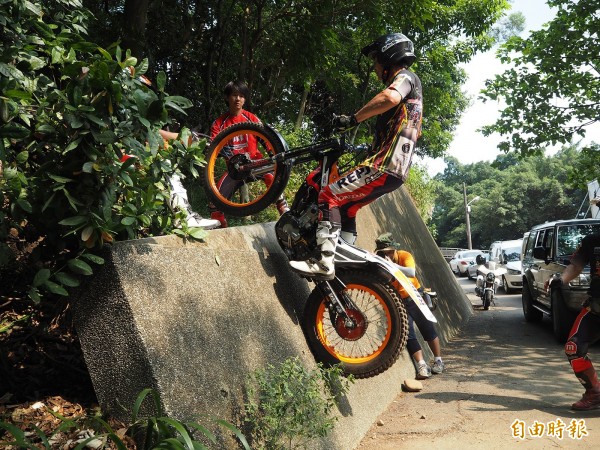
x: 337, y: 301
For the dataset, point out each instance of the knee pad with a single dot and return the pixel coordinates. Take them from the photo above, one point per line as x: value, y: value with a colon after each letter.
x: 571, y: 349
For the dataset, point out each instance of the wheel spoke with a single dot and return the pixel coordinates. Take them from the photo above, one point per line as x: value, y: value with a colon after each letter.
x: 376, y: 327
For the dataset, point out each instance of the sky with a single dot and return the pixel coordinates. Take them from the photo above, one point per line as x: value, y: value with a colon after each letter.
x: 470, y: 146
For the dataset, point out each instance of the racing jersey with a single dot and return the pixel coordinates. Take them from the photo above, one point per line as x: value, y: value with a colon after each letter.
x: 397, y: 130
x: 588, y: 252
x: 240, y: 144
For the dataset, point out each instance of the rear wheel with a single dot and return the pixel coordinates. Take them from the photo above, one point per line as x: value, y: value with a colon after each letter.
x: 254, y: 183
x: 371, y: 340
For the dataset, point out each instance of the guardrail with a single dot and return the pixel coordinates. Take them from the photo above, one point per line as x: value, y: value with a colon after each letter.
x: 448, y: 252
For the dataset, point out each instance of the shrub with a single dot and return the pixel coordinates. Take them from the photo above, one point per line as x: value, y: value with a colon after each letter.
x: 288, y: 406
x: 81, y: 160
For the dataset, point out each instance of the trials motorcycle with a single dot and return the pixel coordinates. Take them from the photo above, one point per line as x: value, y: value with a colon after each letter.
x: 358, y: 319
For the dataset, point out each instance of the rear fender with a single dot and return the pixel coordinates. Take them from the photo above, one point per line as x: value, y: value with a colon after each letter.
x: 347, y: 255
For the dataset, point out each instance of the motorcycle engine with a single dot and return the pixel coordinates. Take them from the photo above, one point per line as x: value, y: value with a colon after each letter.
x: 295, y: 232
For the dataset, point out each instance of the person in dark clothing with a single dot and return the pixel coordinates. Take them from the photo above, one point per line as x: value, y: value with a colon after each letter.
x: 586, y: 328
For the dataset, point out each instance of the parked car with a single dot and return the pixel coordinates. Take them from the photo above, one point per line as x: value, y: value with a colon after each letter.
x: 507, y: 255
x: 548, y: 250
x: 461, y: 261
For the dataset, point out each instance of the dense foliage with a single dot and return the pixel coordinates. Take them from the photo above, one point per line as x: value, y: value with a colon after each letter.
x: 302, y: 58
x: 552, y: 90
x: 72, y: 103
x: 515, y: 194
x: 70, y: 111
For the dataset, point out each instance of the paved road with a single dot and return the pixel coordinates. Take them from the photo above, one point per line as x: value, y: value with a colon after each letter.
x: 504, y: 379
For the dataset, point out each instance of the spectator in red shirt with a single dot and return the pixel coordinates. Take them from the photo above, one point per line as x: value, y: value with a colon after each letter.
x: 236, y: 96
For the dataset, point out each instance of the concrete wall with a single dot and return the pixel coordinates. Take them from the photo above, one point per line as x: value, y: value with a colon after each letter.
x: 192, y: 320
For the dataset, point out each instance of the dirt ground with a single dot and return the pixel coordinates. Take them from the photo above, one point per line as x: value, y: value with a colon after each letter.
x: 507, y: 384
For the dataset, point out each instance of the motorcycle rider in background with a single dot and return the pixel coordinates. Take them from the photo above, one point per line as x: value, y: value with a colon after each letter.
x: 586, y: 328
x: 399, y: 109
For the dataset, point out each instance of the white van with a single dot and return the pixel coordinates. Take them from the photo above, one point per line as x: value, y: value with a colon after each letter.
x: 507, y: 254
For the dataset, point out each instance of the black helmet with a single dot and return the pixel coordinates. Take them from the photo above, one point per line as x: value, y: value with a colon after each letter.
x: 391, y: 50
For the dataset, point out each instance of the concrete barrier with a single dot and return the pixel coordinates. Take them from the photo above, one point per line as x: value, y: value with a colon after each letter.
x: 192, y: 320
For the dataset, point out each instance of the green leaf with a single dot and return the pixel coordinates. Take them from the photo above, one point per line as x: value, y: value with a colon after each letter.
x: 79, y: 266
x: 17, y: 94
x: 24, y: 205
x: 22, y: 156
x: 127, y: 221
x: 74, y: 221
x: 56, y: 288
x: 105, y: 137
x: 60, y: 179
x: 93, y: 258
x: 66, y: 279
x: 41, y: 277
x: 34, y: 295
x: 161, y: 80
x: 198, y: 233
x: 14, y: 131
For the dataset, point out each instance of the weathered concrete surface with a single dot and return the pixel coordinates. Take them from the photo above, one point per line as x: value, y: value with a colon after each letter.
x: 192, y: 320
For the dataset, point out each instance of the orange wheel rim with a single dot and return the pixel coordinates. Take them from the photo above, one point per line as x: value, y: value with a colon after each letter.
x: 212, y: 162
x: 376, y: 337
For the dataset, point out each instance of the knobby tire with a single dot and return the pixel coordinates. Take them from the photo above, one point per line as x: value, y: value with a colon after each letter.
x: 385, y: 333
x: 259, y: 194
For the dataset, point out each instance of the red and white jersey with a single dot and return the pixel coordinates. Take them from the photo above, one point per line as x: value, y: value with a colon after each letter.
x: 242, y: 143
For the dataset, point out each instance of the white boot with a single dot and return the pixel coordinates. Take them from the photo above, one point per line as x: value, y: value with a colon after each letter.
x: 180, y: 201
x: 327, y: 241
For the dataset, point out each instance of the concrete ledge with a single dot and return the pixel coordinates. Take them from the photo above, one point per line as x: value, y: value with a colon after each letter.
x: 192, y: 320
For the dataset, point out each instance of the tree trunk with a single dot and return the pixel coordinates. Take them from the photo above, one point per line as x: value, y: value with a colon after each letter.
x: 302, y: 106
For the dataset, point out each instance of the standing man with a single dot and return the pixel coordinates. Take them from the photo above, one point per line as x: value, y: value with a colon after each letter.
x: 399, y: 109
x: 586, y: 329
x: 237, y: 95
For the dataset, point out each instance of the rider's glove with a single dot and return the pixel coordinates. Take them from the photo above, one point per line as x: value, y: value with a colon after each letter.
x: 344, y: 123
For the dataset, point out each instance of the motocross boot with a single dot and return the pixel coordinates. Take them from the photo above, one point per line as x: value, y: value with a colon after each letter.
x: 327, y: 237
x: 591, y: 398
x: 179, y: 201
x: 589, y: 401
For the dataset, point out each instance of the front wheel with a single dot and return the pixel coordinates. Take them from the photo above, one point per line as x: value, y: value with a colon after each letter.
x: 370, y: 340
x: 507, y: 289
x: 487, y: 299
x: 242, y: 184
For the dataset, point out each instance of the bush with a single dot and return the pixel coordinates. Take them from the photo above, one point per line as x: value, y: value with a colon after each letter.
x: 288, y: 406
x: 81, y: 161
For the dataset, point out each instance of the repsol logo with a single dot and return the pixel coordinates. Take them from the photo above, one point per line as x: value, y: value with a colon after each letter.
x: 353, y: 177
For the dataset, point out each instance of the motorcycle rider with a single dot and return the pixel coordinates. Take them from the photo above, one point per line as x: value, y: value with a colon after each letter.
x: 386, y: 247
x: 586, y: 328
x: 399, y: 109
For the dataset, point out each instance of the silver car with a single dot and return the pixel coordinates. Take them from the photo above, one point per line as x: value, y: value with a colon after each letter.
x: 462, y: 260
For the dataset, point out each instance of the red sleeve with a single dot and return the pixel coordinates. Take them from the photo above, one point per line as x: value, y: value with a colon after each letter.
x: 216, y: 127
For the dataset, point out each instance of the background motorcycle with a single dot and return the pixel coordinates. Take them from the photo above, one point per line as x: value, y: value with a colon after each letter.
x: 487, y: 281
x: 358, y: 319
